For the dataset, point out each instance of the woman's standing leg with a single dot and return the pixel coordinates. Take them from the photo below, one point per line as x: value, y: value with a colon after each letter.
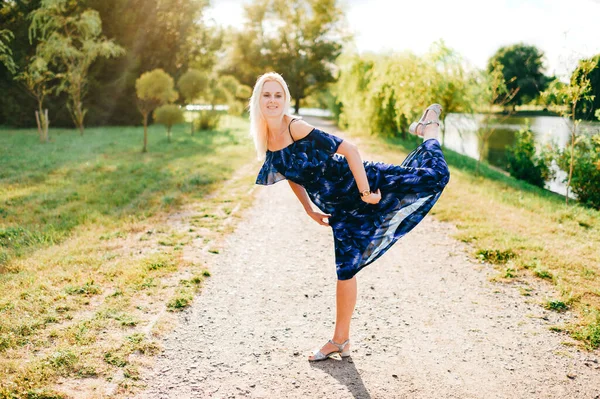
x: 345, y: 300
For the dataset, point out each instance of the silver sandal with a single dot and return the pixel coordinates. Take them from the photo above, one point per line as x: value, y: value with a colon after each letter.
x: 437, y: 108
x: 318, y: 355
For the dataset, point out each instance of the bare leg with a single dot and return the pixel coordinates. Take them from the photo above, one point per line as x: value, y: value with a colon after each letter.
x: 345, y: 302
x: 430, y: 131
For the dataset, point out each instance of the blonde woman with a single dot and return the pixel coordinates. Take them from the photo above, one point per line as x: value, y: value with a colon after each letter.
x: 368, y: 205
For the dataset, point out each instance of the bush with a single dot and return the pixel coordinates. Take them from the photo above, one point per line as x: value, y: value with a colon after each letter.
x: 208, y: 120
x: 585, y: 181
x: 168, y: 115
x: 525, y: 164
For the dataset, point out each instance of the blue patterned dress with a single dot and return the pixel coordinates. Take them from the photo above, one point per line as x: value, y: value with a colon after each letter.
x: 362, y: 232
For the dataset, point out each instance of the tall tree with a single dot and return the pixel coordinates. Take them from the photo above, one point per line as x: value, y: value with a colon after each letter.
x: 5, y: 52
x: 15, y: 103
x: 565, y: 99
x: 72, y: 41
x: 522, y: 68
x: 587, y: 107
x: 168, y: 34
x: 491, y: 89
x: 300, y: 39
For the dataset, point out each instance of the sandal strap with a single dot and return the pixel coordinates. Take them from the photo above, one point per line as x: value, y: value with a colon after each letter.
x: 340, y: 346
x: 430, y: 122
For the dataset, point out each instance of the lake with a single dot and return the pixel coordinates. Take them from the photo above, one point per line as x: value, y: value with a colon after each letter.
x: 461, y: 136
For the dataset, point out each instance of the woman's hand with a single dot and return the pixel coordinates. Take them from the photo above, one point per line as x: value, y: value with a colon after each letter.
x: 318, y: 217
x: 372, y: 198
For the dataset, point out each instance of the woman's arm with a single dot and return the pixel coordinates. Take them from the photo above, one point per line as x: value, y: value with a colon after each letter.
x: 305, y: 201
x: 302, y: 196
x: 350, y: 151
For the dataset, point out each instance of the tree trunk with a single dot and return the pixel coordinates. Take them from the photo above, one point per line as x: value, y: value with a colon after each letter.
x: 145, y: 120
x: 297, y: 106
x: 79, y: 116
x: 571, y: 162
x: 46, y: 125
x: 39, y: 125
x: 169, y: 134
x: 192, y: 125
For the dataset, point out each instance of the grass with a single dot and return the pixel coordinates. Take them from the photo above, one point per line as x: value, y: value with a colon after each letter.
x: 524, y: 230
x: 90, y: 256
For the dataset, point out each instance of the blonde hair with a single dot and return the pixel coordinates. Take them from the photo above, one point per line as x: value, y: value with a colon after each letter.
x: 258, y: 124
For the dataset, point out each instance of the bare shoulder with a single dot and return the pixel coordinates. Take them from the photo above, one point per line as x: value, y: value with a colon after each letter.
x: 300, y: 129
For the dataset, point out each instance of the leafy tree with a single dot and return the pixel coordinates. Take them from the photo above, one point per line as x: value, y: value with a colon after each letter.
x: 491, y: 89
x: 522, y: 70
x: 154, y: 89
x: 5, y: 52
x: 72, y: 41
x: 299, y: 38
x: 191, y: 85
x: 451, y: 86
x: 15, y: 102
x: 168, y: 34
x: 564, y: 99
x: 39, y: 82
x: 168, y: 115
x: 587, y: 108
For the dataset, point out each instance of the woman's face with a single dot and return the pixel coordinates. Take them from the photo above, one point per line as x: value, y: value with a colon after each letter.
x: 272, y: 99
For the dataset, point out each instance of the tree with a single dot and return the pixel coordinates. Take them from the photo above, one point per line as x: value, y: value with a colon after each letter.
x: 72, y: 41
x: 565, y: 99
x: 168, y: 115
x: 191, y: 85
x: 168, y: 34
x: 154, y: 89
x: 5, y: 52
x: 299, y: 38
x: 522, y: 70
x: 491, y: 89
x: 451, y: 82
x: 39, y: 82
x: 587, y: 108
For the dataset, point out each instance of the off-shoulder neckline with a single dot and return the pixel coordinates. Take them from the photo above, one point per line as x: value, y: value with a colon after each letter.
x: 291, y: 144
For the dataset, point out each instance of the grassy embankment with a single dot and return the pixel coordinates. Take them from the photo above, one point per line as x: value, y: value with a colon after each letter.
x: 90, y: 258
x: 524, y: 230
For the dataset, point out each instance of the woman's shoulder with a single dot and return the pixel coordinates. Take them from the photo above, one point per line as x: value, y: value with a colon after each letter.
x: 299, y: 128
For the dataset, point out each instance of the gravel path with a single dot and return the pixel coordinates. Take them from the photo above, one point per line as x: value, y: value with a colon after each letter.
x: 428, y: 323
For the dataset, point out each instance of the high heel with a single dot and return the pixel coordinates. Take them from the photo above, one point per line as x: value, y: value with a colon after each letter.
x: 437, y: 108
x: 318, y: 355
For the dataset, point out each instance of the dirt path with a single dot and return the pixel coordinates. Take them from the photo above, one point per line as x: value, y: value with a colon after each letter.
x: 428, y: 322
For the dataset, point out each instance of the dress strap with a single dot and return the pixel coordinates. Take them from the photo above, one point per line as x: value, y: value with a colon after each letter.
x: 289, y: 130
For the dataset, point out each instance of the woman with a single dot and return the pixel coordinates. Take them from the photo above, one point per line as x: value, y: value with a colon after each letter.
x: 368, y: 205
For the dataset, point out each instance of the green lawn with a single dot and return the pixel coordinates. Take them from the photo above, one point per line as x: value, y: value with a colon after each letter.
x: 89, y: 258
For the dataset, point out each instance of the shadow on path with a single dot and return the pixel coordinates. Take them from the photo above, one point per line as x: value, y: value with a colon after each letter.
x: 346, y: 373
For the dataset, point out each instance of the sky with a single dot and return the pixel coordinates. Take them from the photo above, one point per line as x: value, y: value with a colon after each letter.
x: 565, y: 30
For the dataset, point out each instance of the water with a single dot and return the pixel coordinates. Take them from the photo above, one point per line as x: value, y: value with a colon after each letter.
x: 461, y: 136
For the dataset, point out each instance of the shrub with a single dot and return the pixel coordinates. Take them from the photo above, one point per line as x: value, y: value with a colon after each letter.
x: 585, y: 181
x: 208, y: 120
x: 168, y: 115
x: 525, y: 163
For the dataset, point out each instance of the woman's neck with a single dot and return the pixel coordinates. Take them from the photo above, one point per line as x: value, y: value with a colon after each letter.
x: 275, y: 127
